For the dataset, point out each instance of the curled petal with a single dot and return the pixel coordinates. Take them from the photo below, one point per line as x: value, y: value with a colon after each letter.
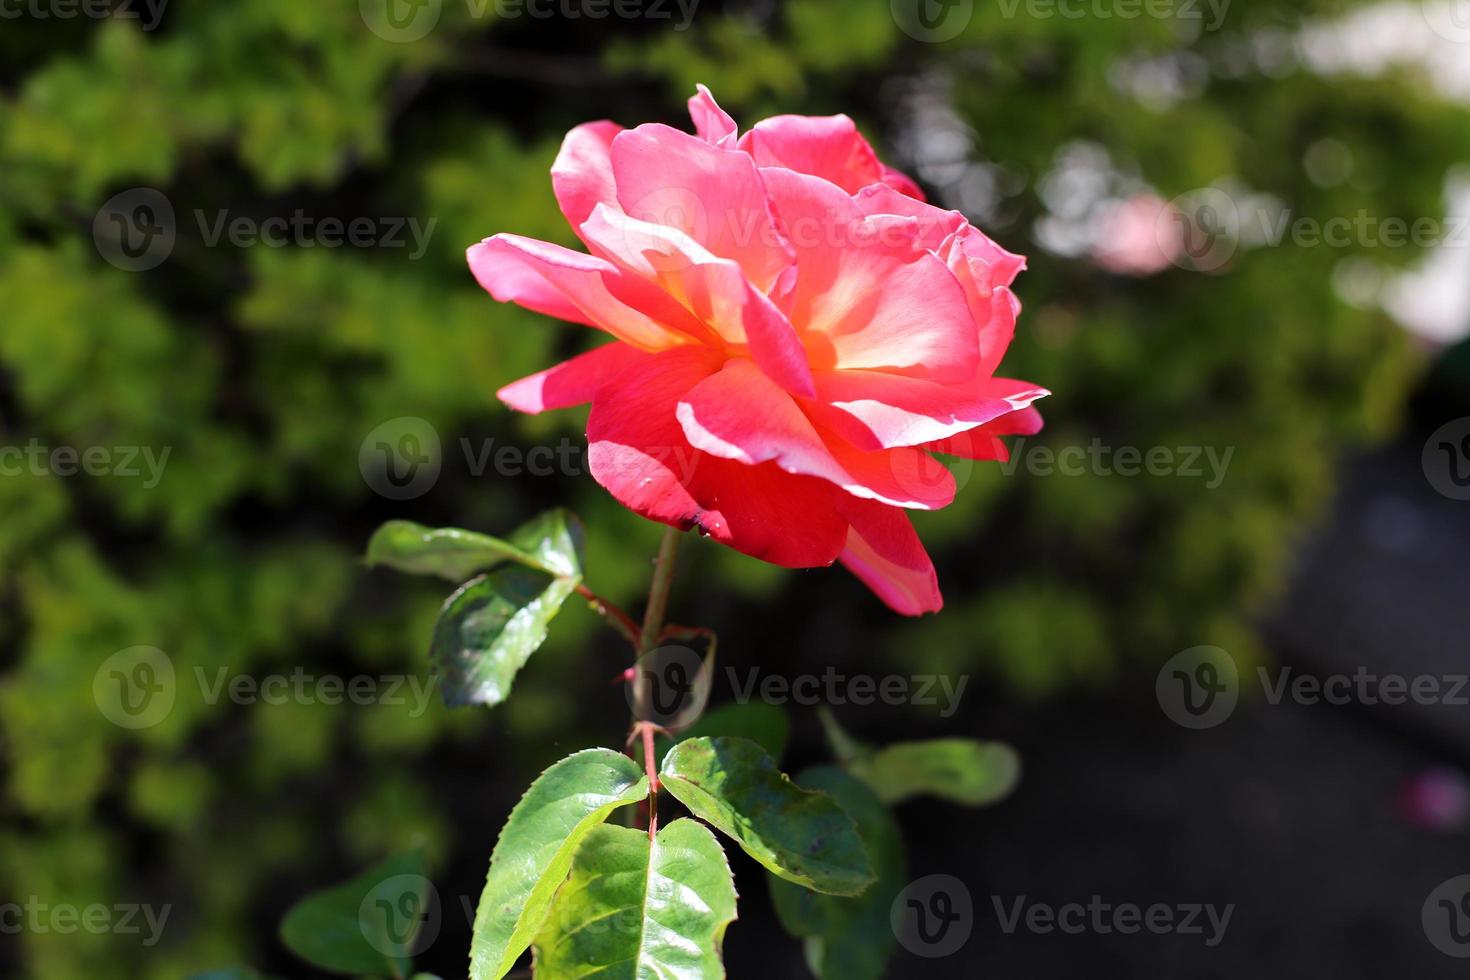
x: 574, y: 286
x: 712, y: 123
x: 874, y: 410
x: 738, y: 414
x: 582, y: 175
x: 937, y: 228
x: 886, y: 554
x: 983, y: 442
x: 1003, y: 266
x: 993, y: 306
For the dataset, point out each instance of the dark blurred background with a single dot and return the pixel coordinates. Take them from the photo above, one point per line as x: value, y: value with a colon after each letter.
x: 192, y: 361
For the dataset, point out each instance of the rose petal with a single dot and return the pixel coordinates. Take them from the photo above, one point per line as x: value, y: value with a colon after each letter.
x: 713, y: 195
x: 739, y: 414
x: 712, y: 123
x: 886, y: 554
x: 936, y: 226
x: 1004, y: 266
x: 983, y: 443
x: 867, y: 295
x: 581, y: 288
x: 637, y: 450
x: 902, y: 183
x: 582, y: 176
x: 874, y: 410
x: 572, y: 382
x: 829, y: 147
x: 713, y: 289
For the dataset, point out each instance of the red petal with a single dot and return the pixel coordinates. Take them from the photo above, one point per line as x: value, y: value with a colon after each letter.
x: 639, y: 453
x: 885, y: 552
x: 572, y: 382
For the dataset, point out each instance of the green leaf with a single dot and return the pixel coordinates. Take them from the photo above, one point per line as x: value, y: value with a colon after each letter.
x: 344, y: 928
x: 534, y: 852
x: 763, y: 723
x: 960, y: 770
x: 448, y: 552
x: 554, y: 542
x: 230, y: 973
x: 551, y: 542
x: 489, y: 628
x: 848, y: 938
x: 798, y: 835
x: 639, y: 908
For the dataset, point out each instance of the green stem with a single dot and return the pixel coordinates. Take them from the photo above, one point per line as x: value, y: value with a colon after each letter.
x: 648, y: 639
x: 658, y: 593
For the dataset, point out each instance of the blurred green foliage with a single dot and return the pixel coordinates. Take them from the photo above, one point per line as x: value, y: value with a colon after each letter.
x: 263, y: 369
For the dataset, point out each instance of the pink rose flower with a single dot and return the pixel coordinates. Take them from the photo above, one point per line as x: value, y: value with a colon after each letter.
x: 795, y: 332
